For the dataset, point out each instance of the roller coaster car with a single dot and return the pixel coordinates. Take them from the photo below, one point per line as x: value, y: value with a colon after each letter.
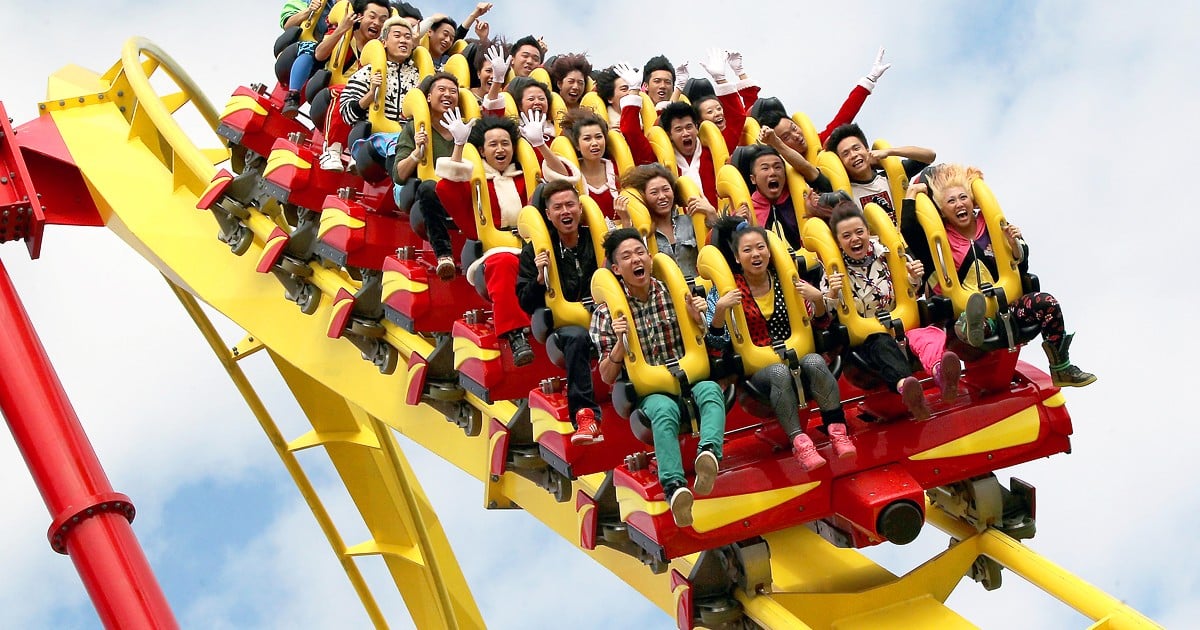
x: 552, y: 428
x: 417, y: 300
x: 293, y: 175
x: 353, y: 233
x: 1001, y: 291
x: 859, y: 502
x: 749, y: 358
x: 252, y: 119
x: 904, y: 315
x: 484, y: 361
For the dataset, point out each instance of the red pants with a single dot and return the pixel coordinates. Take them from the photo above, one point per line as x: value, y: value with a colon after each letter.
x: 500, y: 275
x: 336, y: 129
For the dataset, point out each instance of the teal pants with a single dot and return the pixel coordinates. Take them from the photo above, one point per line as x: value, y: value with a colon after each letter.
x: 663, y: 412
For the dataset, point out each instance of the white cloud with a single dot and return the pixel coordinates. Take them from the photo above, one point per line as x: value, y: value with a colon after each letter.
x: 1078, y: 115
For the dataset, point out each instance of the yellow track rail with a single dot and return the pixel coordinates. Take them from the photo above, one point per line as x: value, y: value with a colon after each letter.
x: 146, y: 175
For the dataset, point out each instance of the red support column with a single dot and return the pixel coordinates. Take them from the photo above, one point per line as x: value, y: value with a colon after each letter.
x: 91, y: 522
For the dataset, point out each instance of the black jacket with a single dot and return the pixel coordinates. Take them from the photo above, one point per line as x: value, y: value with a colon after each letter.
x: 575, y: 269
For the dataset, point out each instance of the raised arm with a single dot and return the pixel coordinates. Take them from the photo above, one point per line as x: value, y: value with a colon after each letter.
x: 767, y: 136
x: 631, y: 116
x: 858, y: 96
x: 919, y: 154
x: 476, y: 13
x: 325, y: 48
x: 533, y: 129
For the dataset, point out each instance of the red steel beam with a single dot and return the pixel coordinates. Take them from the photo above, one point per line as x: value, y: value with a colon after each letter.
x: 91, y: 522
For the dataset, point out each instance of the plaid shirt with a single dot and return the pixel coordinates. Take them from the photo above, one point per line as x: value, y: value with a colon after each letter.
x: 655, y: 323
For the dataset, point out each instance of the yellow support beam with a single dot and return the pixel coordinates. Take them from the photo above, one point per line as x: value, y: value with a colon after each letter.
x: 1093, y: 603
x: 267, y: 423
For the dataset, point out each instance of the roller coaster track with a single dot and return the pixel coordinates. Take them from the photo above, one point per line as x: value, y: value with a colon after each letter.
x: 144, y: 176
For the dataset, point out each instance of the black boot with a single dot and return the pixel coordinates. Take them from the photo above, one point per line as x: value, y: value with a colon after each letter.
x: 291, y: 104
x: 522, y: 354
x: 1061, y: 371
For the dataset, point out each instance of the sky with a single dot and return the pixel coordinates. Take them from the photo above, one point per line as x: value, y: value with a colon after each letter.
x: 1071, y: 110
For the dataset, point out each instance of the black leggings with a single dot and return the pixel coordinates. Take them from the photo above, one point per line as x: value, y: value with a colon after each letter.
x: 883, y: 356
x: 577, y: 352
x: 437, y: 221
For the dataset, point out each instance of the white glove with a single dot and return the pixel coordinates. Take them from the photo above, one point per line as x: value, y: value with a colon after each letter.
x: 734, y: 58
x: 630, y: 75
x: 533, y: 127
x: 681, y: 76
x: 500, y: 63
x: 459, y: 129
x: 716, y: 64
x: 877, y: 70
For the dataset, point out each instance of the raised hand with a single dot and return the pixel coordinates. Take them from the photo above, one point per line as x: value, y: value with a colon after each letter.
x: 876, y: 71
x: 735, y: 61
x: 630, y: 75
x: 533, y: 127
x: 459, y: 129
x: 681, y: 76
x: 715, y: 65
x: 500, y: 63
x: 878, y: 67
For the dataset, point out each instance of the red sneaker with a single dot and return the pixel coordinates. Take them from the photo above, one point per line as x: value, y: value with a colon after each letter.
x: 588, y: 431
x: 842, y: 446
x: 806, y: 453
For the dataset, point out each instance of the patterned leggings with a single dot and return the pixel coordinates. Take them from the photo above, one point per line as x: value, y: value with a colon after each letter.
x: 1042, y: 309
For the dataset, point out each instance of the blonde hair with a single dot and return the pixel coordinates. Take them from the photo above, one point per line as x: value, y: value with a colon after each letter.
x: 946, y: 176
x: 393, y: 21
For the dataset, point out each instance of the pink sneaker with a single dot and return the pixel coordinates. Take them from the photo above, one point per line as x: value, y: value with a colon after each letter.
x: 842, y: 446
x: 806, y: 453
x: 946, y: 374
x: 914, y: 398
x: 588, y: 431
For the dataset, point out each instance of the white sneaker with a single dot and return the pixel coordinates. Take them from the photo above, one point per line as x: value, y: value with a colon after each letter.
x: 681, y: 506
x: 331, y: 160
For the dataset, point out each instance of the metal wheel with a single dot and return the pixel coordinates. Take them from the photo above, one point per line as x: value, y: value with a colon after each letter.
x: 368, y: 329
x: 241, y: 241
x: 310, y: 299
